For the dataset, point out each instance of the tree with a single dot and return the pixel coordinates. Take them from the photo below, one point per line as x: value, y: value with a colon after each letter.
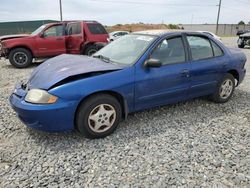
x: 241, y: 23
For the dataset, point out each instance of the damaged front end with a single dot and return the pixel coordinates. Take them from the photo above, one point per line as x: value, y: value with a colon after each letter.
x: 3, y: 50
x: 244, y: 40
x: 67, y: 68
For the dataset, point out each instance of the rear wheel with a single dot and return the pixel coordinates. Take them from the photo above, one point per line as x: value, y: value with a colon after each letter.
x: 225, y: 89
x: 90, y: 50
x: 20, y: 57
x: 99, y: 116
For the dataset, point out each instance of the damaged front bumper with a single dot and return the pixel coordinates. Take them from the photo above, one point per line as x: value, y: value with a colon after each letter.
x: 45, y: 117
x: 3, y: 51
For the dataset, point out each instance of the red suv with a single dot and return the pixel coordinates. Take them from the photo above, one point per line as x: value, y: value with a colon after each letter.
x: 72, y: 37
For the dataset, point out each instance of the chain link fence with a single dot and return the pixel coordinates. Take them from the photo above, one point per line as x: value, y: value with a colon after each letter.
x: 223, y: 29
x: 7, y: 28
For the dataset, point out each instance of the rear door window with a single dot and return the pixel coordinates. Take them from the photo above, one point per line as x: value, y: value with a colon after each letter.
x: 74, y: 28
x: 95, y: 28
x: 217, y: 50
x: 200, y: 47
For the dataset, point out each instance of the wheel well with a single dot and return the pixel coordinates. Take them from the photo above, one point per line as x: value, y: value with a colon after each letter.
x: 25, y: 47
x: 118, y: 96
x: 235, y: 74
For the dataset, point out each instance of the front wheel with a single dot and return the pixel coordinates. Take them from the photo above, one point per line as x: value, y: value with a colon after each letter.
x: 241, y: 43
x: 225, y: 89
x: 98, y: 116
x: 20, y: 57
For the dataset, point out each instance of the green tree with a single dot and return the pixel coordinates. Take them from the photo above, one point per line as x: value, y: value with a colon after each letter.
x: 241, y: 23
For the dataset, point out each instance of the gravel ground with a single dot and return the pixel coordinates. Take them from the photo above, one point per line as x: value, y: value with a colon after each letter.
x: 196, y: 143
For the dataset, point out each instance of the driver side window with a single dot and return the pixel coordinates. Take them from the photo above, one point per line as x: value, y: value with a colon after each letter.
x: 170, y: 51
x: 54, y: 31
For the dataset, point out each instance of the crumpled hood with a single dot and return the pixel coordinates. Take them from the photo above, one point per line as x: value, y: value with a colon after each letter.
x: 61, y: 67
x: 5, y: 37
x: 247, y: 34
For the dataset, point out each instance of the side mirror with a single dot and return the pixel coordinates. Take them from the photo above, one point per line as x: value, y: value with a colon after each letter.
x: 42, y: 35
x: 153, y: 63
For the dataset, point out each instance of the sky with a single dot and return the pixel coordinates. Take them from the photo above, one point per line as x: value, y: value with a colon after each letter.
x: 111, y: 12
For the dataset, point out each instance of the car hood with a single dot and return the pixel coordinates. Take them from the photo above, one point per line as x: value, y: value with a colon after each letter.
x: 65, y: 66
x: 245, y: 34
x: 5, y: 37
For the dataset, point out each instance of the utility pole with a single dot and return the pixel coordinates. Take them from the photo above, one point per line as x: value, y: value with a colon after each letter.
x: 61, y: 18
x: 218, y: 18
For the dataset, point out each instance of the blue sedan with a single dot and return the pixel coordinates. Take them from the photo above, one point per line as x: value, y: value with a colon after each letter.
x: 136, y: 72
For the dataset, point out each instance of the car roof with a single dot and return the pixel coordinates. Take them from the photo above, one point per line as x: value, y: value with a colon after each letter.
x: 165, y: 32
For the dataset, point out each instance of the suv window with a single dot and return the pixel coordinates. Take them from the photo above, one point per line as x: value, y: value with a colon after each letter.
x: 74, y: 28
x: 200, y: 47
x: 96, y: 29
x: 170, y: 51
x: 54, y: 31
x: 217, y: 50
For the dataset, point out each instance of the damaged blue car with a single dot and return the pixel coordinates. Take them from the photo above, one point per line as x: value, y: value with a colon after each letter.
x: 136, y: 72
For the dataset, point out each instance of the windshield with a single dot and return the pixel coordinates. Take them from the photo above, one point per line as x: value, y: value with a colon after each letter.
x: 126, y: 50
x: 38, y: 30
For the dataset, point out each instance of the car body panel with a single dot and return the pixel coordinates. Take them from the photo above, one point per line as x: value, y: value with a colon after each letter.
x: 140, y: 87
x: 50, y: 73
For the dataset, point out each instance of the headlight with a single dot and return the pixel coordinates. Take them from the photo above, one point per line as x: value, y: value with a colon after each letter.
x: 39, y: 96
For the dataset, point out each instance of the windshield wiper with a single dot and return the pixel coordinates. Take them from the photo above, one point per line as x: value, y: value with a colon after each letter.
x: 103, y: 58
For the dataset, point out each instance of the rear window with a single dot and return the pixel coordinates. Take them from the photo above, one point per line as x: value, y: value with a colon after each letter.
x: 96, y: 29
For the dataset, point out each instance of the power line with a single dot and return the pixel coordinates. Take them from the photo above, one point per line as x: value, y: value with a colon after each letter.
x: 149, y: 3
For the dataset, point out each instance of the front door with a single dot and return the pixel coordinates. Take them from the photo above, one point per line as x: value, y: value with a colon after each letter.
x: 51, y: 42
x: 168, y: 83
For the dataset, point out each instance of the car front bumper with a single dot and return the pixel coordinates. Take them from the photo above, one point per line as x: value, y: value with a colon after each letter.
x: 242, y: 76
x: 50, y: 118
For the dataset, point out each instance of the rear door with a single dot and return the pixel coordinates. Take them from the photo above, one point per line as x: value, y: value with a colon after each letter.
x: 75, y: 37
x: 168, y: 83
x: 207, y: 65
x: 51, y: 42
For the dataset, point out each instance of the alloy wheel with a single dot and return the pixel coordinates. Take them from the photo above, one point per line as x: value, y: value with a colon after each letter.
x: 102, y: 118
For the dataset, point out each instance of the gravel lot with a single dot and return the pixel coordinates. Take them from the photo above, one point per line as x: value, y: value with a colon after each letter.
x: 196, y: 143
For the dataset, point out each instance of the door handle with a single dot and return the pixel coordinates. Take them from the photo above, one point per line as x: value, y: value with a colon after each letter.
x: 59, y: 39
x: 224, y: 64
x: 185, y: 73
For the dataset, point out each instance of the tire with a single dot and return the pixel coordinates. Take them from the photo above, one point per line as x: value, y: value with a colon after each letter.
x: 98, y: 116
x: 225, y: 89
x: 241, y: 45
x: 20, y: 57
x: 90, y: 50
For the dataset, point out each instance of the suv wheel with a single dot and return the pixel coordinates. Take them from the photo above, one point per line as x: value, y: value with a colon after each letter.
x: 20, y: 57
x: 90, y: 50
x: 99, y: 116
x: 225, y: 89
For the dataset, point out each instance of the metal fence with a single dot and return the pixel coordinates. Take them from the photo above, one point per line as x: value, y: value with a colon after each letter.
x: 7, y: 28
x: 223, y: 29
